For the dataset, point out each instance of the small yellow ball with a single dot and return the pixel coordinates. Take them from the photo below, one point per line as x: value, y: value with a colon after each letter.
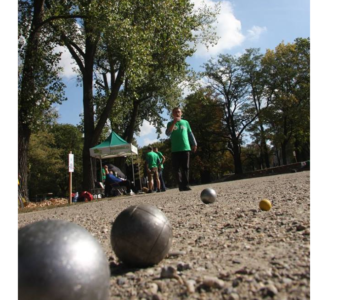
x: 265, y: 204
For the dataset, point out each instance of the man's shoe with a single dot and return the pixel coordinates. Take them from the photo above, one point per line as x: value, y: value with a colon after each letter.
x: 150, y: 192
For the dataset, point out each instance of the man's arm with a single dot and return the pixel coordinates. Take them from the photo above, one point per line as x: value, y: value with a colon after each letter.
x: 170, y: 129
x: 192, y: 141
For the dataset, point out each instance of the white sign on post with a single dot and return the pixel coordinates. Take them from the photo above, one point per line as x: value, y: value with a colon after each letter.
x: 70, y: 163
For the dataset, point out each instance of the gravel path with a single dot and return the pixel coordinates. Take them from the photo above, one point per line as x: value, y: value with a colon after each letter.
x: 226, y: 250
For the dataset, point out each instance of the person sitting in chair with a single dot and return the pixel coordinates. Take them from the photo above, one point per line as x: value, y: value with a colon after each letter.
x: 112, y: 180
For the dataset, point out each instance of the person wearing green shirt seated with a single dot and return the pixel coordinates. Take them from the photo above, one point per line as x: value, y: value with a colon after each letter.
x: 182, y: 141
x: 153, y: 163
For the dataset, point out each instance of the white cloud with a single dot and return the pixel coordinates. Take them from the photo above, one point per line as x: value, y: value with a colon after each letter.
x: 67, y: 62
x: 255, y: 32
x: 146, y: 128
x: 148, y: 134
x: 228, y: 29
x: 185, y: 88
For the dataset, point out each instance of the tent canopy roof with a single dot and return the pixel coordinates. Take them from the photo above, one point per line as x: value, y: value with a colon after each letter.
x: 113, y: 146
x: 113, y: 140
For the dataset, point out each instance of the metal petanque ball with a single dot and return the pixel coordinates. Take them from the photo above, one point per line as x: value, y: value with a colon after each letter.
x: 141, y: 236
x: 208, y: 195
x: 60, y: 260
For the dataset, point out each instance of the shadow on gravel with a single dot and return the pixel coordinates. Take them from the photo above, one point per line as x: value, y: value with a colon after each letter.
x: 120, y: 269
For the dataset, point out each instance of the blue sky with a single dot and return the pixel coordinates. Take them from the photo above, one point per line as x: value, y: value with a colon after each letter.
x: 241, y: 24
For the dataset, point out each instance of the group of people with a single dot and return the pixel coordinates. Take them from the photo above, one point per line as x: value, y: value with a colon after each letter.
x: 154, y: 167
x: 182, y: 143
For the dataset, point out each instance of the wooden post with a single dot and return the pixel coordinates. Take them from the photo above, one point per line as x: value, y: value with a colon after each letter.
x: 295, y: 156
x: 70, y: 170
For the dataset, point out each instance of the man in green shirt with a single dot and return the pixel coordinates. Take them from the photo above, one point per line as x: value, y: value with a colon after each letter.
x: 182, y: 141
x: 153, y: 162
x: 160, y: 170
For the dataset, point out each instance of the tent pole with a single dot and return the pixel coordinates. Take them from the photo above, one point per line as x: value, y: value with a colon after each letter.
x: 138, y: 167
x: 92, y: 172
x: 101, y: 169
x: 132, y: 166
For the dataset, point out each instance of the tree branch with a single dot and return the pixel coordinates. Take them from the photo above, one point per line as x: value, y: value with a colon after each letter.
x: 48, y: 20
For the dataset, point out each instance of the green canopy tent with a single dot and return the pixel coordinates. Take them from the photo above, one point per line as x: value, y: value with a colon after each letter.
x: 114, y: 146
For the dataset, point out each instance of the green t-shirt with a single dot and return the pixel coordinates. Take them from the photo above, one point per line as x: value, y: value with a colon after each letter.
x: 179, y: 136
x: 152, y: 159
x: 160, y: 154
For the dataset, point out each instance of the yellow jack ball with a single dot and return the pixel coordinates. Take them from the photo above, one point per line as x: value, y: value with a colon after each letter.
x: 265, y: 204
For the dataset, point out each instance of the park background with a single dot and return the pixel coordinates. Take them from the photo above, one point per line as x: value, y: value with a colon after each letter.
x: 253, y: 115
x: 329, y: 60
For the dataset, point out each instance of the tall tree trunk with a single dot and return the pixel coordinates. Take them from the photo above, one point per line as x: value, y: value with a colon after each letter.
x: 237, y: 159
x: 285, y: 141
x: 24, y: 134
x: 284, y: 152
x: 89, y: 125
x: 129, y: 132
x: 27, y: 94
x: 265, y: 153
x: 88, y: 132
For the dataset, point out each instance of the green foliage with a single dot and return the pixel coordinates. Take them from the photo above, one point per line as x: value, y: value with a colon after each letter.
x: 154, y: 43
x: 288, y: 116
x: 226, y: 77
x: 39, y: 84
x: 48, y: 160
x: 205, y: 114
x: 266, y: 96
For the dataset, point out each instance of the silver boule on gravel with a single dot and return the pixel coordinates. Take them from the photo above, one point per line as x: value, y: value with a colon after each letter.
x: 208, y: 195
x: 141, y: 236
x: 60, y: 260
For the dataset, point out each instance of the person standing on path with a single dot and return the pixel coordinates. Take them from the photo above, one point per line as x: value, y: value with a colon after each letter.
x: 153, y: 163
x: 182, y: 141
x: 162, y: 160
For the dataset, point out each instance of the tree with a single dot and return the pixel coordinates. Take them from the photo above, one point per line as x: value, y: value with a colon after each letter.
x: 255, y: 77
x: 205, y: 115
x: 48, y: 160
x: 123, y: 38
x: 39, y: 85
x: 226, y: 78
x: 45, y: 165
x: 68, y: 138
x: 289, y: 82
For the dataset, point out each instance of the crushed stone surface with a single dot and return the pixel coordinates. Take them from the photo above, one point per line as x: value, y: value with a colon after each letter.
x: 229, y: 249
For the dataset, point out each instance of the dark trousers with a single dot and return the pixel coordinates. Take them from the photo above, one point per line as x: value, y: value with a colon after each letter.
x: 181, y: 167
x: 162, y: 183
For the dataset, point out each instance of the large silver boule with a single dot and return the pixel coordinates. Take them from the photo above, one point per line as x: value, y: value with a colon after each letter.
x: 141, y: 236
x: 208, y: 195
x: 60, y: 260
